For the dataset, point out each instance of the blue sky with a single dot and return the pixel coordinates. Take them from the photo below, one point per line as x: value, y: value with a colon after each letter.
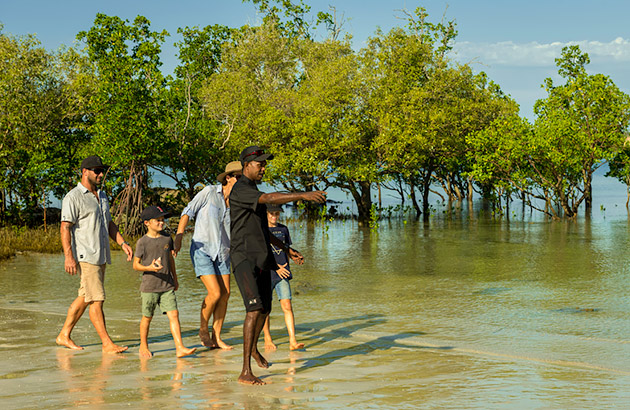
x: 515, y: 42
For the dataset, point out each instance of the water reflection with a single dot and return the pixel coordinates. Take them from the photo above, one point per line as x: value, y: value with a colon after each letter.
x: 85, y: 389
x: 459, y: 312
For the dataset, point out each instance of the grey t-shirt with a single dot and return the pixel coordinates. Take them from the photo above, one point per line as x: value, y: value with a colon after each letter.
x: 148, y: 249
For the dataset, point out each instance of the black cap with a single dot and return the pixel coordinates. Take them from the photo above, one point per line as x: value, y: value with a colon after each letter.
x: 274, y: 208
x: 93, y: 161
x: 254, y: 153
x: 152, y: 212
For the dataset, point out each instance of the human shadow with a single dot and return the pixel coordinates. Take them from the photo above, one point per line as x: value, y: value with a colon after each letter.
x: 380, y: 343
x: 135, y: 342
x: 317, y: 330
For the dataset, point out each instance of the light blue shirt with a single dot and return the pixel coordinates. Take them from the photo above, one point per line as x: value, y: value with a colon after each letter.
x: 90, y: 220
x: 212, y: 223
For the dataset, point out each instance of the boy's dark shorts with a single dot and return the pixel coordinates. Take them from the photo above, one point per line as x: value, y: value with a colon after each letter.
x: 255, y: 286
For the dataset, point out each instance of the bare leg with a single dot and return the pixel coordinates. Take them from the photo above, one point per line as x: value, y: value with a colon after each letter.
x: 75, y: 311
x: 269, y: 344
x: 97, y: 316
x: 249, y: 338
x: 207, y: 307
x: 260, y: 360
x: 144, y: 351
x: 290, y: 322
x: 180, y: 349
x: 219, y: 312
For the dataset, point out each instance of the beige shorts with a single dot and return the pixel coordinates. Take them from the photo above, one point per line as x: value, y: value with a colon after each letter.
x: 92, y: 282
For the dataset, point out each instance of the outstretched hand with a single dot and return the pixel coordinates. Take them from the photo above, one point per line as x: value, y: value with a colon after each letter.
x: 296, y: 256
x: 315, y: 196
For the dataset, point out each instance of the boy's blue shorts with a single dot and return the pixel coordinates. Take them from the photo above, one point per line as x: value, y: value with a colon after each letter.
x: 283, y: 289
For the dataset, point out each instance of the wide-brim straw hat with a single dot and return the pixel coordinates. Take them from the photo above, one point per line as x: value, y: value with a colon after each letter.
x: 233, y: 167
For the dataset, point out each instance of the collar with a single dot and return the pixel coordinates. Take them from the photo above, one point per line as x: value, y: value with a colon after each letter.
x: 84, y: 190
x: 247, y: 180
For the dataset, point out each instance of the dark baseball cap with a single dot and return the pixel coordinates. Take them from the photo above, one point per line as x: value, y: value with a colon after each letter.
x: 93, y: 161
x: 254, y: 153
x: 274, y: 208
x: 152, y: 212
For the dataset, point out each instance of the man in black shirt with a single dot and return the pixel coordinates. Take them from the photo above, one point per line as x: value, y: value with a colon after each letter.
x: 251, y: 253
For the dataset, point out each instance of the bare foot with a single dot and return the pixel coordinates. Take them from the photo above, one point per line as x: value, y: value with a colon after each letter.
x: 222, y: 345
x: 206, y: 340
x: 262, y: 362
x: 145, y: 352
x: 114, y: 348
x: 67, y: 342
x: 184, y: 351
x: 250, y: 379
x: 269, y: 345
x: 218, y: 343
x: 296, y: 346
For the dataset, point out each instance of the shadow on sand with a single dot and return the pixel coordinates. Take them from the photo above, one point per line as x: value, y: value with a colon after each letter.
x: 317, y: 330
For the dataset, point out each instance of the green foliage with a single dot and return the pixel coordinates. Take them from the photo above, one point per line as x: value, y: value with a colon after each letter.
x: 579, y: 125
x: 374, y: 217
x: 289, y: 18
x: 196, y: 145
x: 426, y: 106
x: 22, y: 239
x: 398, y: 111
x: 41, y: 123
x: 126, y: 106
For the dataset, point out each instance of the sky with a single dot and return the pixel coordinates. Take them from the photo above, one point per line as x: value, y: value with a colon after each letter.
x: 514, y: 42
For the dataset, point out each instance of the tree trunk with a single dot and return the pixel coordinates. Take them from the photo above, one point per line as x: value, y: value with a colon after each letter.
x: 362, y: 197
x: 414, y: 201
x: 426, y: 186
x: 588, y: 193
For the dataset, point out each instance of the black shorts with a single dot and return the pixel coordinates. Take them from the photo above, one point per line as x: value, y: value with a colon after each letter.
x: 255, y: 286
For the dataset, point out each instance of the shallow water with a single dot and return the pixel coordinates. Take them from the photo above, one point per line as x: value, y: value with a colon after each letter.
x: 459, y: 313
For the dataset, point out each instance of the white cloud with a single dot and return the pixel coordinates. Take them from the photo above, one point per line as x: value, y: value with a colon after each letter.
x: 534, y: 54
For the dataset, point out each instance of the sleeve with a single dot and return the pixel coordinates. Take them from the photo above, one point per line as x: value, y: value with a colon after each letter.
x: 105, y: 201
x: 288, y: 237
x: 69, y: 209
x: 245, y: 196
x: 171, y: 247
x: 197, y: 203
x: 139, y: 253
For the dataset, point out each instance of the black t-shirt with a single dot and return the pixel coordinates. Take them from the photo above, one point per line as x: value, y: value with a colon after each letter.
x: 281, y: 232
x: 147, y: 249
x: 249, y: 233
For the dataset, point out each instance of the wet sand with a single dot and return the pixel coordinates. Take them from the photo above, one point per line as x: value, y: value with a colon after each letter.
x: 487, y: 318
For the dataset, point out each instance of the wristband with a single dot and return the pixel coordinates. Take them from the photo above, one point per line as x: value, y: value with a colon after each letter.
x: 124, y: 243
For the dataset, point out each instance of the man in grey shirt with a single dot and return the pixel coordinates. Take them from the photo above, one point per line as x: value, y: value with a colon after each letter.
x: 86, y: 226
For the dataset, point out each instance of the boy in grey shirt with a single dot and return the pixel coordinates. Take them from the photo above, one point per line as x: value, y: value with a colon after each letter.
x: 154, y: 258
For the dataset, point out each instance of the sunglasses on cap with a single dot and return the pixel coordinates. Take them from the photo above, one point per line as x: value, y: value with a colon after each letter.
x: 255, y: 153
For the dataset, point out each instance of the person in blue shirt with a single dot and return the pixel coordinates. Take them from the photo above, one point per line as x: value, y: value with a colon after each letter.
x: 210, y: 250
x: 280, y: 279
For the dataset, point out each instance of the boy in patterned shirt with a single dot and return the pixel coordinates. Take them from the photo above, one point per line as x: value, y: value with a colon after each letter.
x: 280, y: 279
